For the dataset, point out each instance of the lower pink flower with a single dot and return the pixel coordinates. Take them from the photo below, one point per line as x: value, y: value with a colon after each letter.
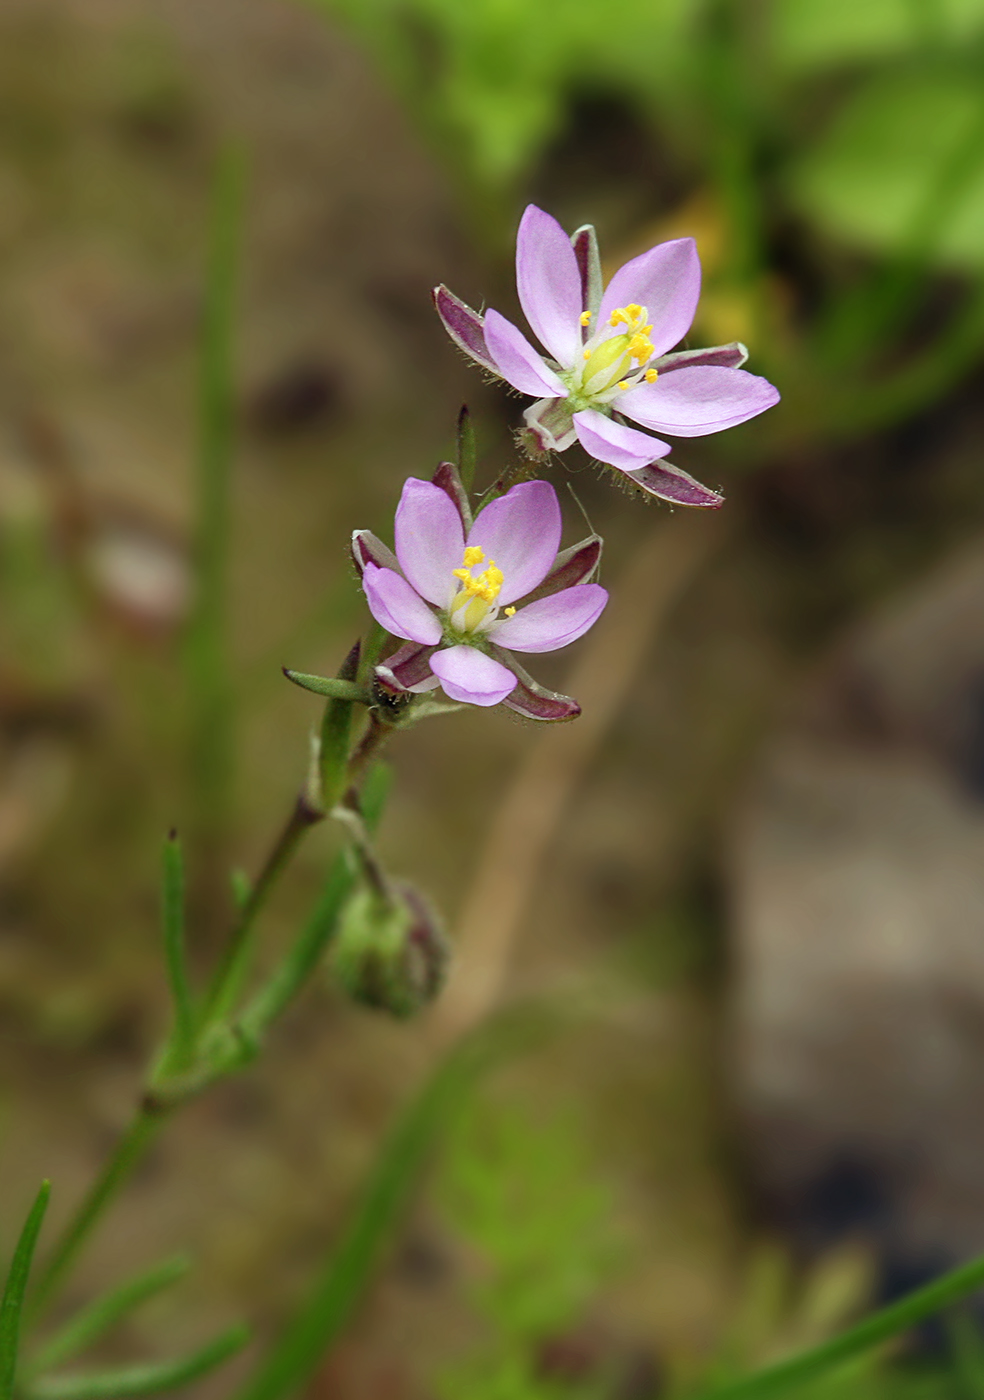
x: 465, y: 594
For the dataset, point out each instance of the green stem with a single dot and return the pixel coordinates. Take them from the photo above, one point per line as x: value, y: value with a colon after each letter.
x: 309, y: 948
x: 145, y: 1126
x: 174, y: 947
x: 228, y: 980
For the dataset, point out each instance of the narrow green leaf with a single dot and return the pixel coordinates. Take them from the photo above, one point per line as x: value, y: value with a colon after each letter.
x: 14, y: 1289
x: 785, y: 1376
x: 329, y: 686
x: 210, y: 687
x: 466, y: 448
x: 89, y: 1325
x: 173, y: 919
x: 148, y: 1379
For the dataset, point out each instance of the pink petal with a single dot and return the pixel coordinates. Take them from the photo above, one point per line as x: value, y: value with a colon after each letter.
x: 695, y: 401
x: 464, y: 326
x: 669, y: 483
x: 367, y: 549
x: 430, y: 542
x: 616, y: 444
x: 395, y: 606
x: 521, y: 532
x: 517, y: 361
x: 554, y: 622
x: 469, y: 675
x: 666, y: 280
x: 549, y: 283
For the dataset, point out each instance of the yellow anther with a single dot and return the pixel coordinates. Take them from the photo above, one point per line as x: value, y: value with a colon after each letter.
x: 631, y: 317
x: 587, y: 354
x: 652, y: 375
x: 623, y: 384
x: 641, y: 348
x: 585, y: 318
x: 486, y: 586
x: 510, y: 612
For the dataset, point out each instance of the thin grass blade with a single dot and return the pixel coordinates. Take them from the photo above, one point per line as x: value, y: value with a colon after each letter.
x: 150, y: 1379
x: 785, y: 1377
x: 12, y: 1303
x: 89, y: 1325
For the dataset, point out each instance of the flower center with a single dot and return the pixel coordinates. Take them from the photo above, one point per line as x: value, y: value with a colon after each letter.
x: 475, y: 598
x: 607, y: 363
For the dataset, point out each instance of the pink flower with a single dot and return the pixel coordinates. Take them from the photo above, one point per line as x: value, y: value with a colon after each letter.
x: 465, y: 595
x: 608, y: 355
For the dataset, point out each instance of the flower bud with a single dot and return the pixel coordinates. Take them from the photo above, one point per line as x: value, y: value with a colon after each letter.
x: 390, y: 952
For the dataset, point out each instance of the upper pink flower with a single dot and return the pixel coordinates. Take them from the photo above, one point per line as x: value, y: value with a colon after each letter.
x: 609, y: 354
x: 454, y: 592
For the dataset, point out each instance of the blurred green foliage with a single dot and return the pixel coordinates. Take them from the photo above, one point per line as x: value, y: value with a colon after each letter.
x: 491, y: 81
x: 523, y: 1197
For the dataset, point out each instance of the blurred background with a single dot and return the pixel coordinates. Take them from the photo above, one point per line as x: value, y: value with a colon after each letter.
x: 758, y: 868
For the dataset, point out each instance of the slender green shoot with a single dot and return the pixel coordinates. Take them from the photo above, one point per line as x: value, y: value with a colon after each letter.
x: 87, y: 1326
x: 12, y: 1304
x: 786, y: 1376
x: 173, y: 919
x: 149, y: 1379
x: 329, y: 686
x: 211, y: 692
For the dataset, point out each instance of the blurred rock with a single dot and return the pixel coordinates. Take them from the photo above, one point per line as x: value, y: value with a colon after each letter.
x: 857, y: 885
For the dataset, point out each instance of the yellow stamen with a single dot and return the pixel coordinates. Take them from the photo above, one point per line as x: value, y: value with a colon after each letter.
x: 486, y: 586
x: 585, y: 318
x: 630, y: 316
x: 510, y: 612
x: 641, y: 348
x: 652, y: 375
x: 623, y: 384
x: 587, y: 354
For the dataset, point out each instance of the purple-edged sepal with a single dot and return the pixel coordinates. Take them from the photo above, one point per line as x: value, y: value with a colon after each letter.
x: 584, y: 241
x: 408, y: 670
x: 464, y: 326
x: 669, y: 483
x: 731, y: 356
x: 534, y: 701
x: 367, y: 549
x: 579, y: 564
x: 447, y: 478
x: 549, y: 426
